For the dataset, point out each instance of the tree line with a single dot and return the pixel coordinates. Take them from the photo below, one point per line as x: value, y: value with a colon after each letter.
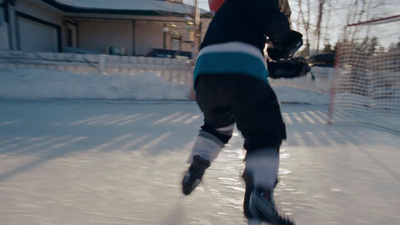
x: 322, y: 21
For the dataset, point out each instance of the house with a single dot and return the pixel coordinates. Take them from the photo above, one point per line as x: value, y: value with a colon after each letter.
x: 119, y: 27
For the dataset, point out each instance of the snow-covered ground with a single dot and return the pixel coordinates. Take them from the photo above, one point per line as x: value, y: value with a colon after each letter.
x: 68, y: 157
x: 52, y: 84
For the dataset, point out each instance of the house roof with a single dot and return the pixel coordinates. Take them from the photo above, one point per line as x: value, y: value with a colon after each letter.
x: 128, y: 7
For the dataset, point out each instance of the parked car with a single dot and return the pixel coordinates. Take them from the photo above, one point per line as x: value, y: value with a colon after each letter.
x: 322, y: 70
x: 322, y: 60
x: 168, y: 53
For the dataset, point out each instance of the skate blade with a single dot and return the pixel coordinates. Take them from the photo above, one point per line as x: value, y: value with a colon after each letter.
x: 188, y: 190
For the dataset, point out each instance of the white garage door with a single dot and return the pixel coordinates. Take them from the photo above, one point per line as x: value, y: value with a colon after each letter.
x: 35, y: 36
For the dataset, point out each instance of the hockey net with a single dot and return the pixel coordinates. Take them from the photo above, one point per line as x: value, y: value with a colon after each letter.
x: 367, y: 79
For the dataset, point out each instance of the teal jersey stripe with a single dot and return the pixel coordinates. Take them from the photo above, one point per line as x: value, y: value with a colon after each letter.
x: 230, y: 63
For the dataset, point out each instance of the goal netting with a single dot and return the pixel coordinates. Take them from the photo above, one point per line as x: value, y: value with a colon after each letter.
x: 367, y: 80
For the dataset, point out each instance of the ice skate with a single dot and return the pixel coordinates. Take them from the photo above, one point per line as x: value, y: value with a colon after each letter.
x: 194, y: 174
x: 262, y: 207
x: 259, y: 205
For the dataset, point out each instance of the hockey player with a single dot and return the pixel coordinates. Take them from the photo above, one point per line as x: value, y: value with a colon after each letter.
x: 230, y: 80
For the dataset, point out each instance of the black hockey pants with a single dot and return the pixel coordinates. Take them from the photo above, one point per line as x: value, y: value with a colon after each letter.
x: 251, y: 103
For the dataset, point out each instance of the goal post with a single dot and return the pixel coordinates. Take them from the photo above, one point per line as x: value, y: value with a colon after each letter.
x: 367, y: 75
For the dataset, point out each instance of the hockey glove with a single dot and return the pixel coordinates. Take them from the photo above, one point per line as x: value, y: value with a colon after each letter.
x: 289, y: 68
x: 283, y: 47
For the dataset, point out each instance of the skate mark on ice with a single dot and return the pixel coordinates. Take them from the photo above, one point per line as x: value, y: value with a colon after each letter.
x: 380, y: 164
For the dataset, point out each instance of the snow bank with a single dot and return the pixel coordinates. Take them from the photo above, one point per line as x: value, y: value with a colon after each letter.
x: 53, y: 84
x: 46, y: 84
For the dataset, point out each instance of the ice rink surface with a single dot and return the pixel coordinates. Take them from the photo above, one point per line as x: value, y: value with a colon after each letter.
x: 121, y: 162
